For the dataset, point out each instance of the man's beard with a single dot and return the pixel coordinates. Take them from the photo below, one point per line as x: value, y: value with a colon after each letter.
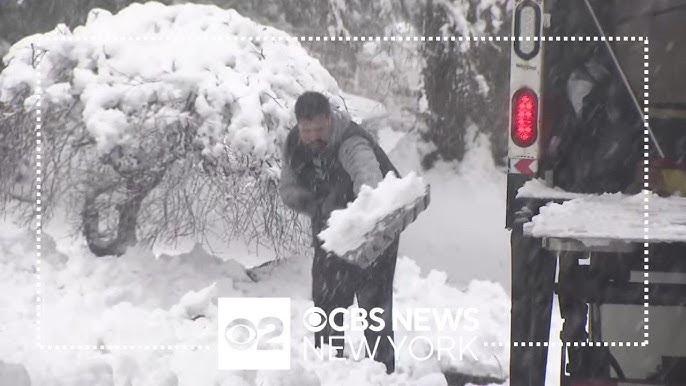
x: 317, y: 147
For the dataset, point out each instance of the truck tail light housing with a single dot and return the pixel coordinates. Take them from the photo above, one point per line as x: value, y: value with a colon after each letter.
x: 527, y: 24
x: 524, y: 117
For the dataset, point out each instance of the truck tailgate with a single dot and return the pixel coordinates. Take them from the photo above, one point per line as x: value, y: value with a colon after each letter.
x: 600, y: 219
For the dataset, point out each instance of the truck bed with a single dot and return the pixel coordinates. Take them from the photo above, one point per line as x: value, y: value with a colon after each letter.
x: 597, y: 220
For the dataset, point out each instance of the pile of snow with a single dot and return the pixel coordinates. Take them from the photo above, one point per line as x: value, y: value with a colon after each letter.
x: 141, y: 300
x: 188, y: 64
x: 349, y: 228
x: 537, y: 188
x: 490, y: 301
x: 593, y: 218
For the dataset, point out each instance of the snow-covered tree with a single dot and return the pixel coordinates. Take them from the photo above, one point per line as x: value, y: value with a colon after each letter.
x: 166, y: 136
x: 385, y: 71
x: 439, y: 88
x: 20, y: 18
x: 464, y: 82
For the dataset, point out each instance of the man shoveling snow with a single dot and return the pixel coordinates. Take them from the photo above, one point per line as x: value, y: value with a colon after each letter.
x: 327, y: 160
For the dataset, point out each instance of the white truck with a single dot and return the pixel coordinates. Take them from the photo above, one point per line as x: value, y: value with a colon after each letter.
x: 596, y: 181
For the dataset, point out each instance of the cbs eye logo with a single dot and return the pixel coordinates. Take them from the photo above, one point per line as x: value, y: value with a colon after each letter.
x: 315, y: 319
x: 242, y: 334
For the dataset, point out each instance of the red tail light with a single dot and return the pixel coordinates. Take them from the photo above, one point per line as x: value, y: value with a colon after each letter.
x: 524, y: 117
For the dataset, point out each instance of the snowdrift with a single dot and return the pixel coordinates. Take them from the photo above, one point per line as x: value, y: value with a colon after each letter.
x: 169, y: 301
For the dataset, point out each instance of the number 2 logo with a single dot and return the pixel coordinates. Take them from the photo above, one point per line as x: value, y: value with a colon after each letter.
x: 242, y: 333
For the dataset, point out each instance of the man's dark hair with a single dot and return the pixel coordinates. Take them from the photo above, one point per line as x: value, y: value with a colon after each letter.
x: 311, y: 104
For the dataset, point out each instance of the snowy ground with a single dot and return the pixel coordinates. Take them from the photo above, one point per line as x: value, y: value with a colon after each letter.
x: 139, y: 299
x: 455, y: 255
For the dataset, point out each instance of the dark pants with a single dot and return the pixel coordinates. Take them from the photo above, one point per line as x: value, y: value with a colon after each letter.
x: 334, y: 284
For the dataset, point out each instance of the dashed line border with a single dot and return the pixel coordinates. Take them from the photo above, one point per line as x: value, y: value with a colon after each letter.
x: 646, y: 192
x: 39, y: 181
x: 201, y: 37
x: 39, y: 94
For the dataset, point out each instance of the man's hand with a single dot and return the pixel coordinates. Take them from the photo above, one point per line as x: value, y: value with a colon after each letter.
x: 294, y: 194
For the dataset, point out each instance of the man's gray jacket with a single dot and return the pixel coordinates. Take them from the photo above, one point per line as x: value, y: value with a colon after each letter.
x: 333, y: 178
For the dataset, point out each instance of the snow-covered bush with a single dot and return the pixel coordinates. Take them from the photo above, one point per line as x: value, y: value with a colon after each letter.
x: 166, y: 133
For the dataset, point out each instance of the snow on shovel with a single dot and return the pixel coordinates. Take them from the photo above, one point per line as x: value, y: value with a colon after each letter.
x: 367, y: 226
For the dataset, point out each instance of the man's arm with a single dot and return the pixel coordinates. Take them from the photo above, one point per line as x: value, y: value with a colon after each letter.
x: 294, y: 195
x: 358, y: 159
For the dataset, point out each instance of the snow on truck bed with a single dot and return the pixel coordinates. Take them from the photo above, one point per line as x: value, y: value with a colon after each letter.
x: 537, y: 188
x: 593, y: 218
